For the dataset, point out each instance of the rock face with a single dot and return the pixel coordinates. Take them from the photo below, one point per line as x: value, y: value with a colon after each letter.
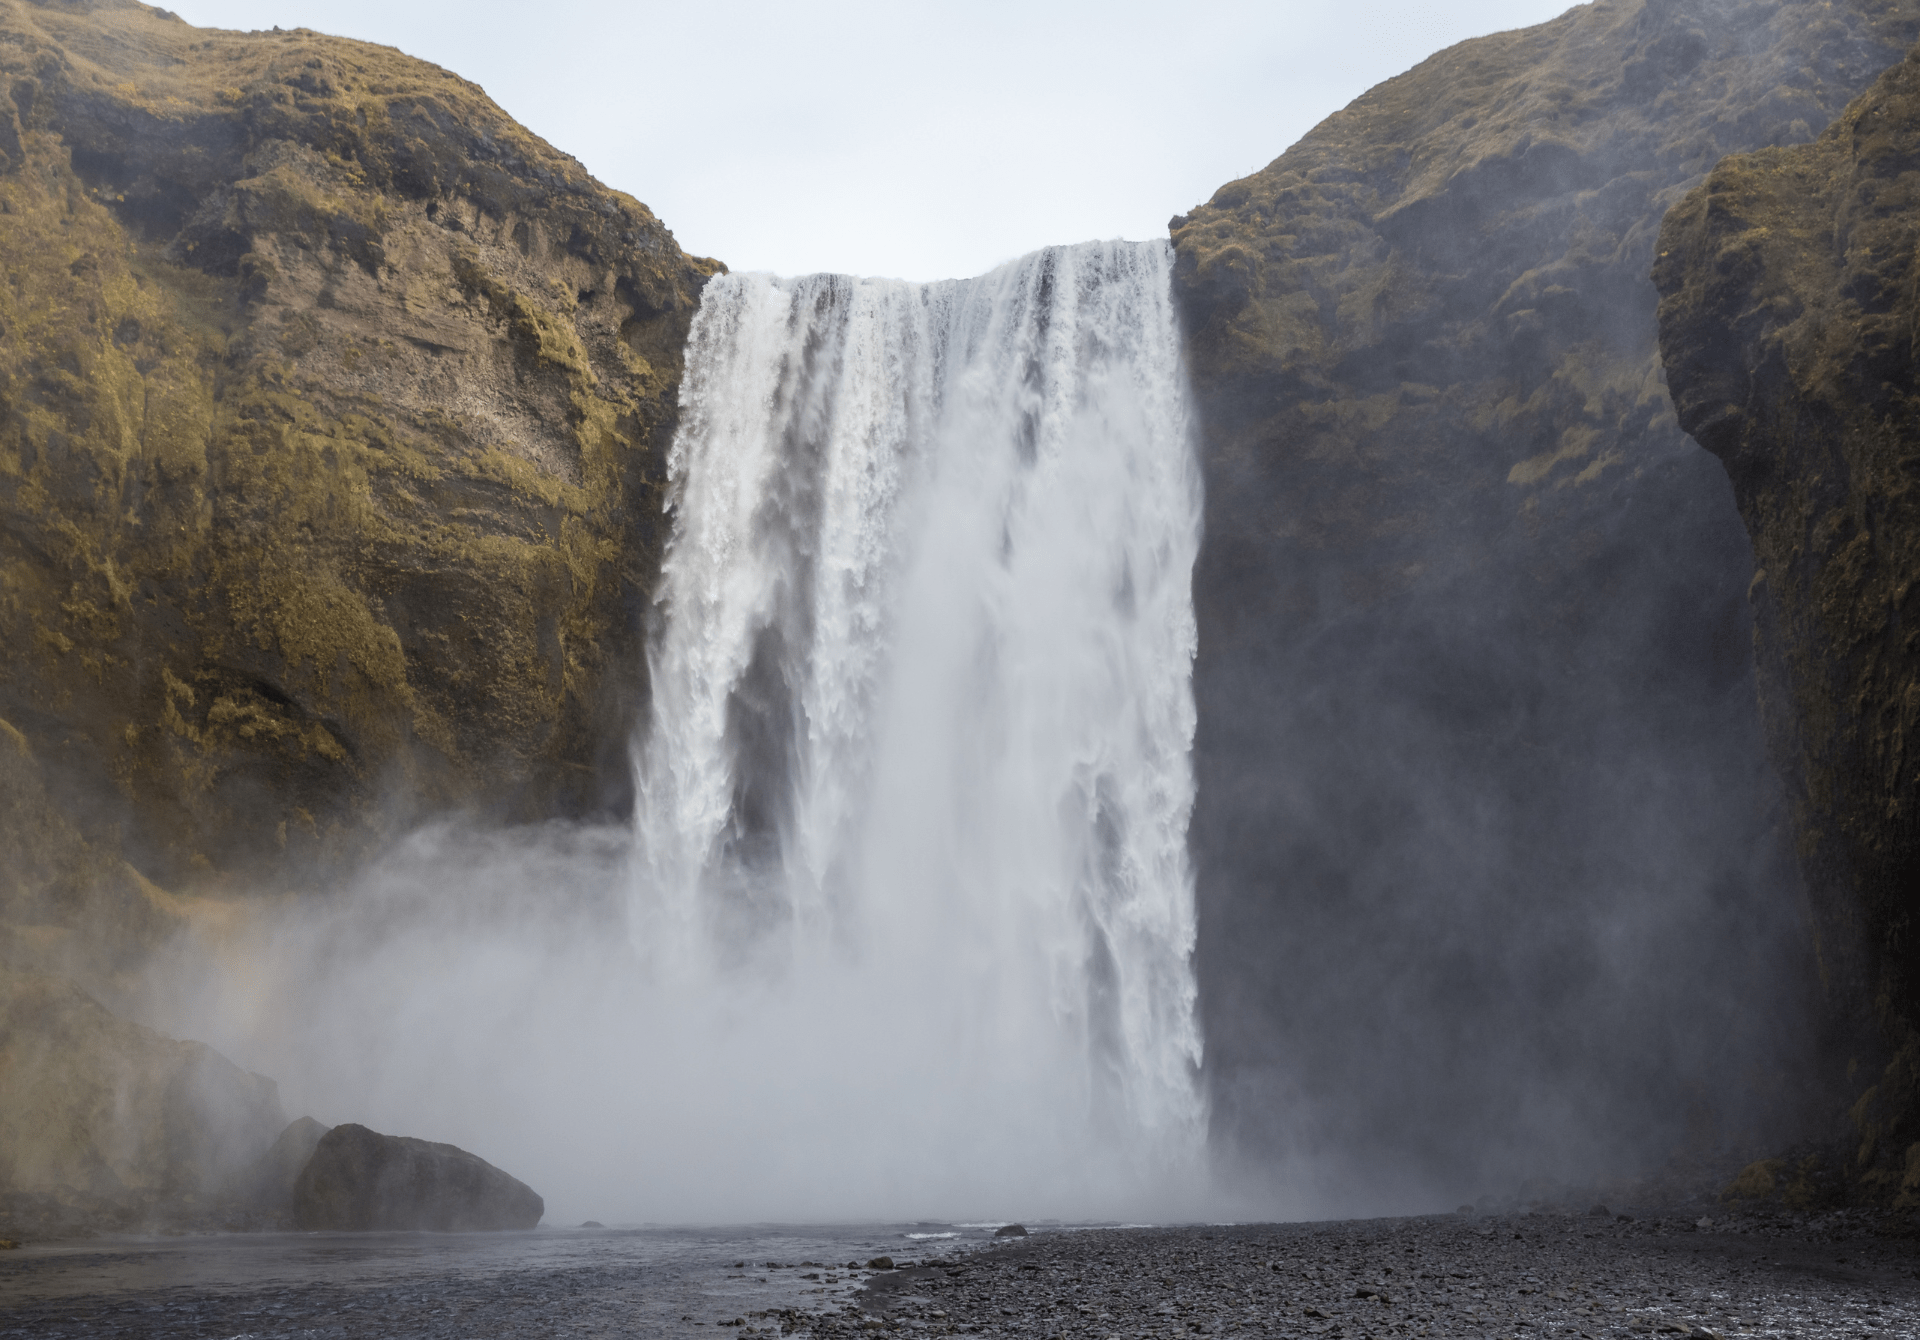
x: 1489, y: 857
x: 106, y: 1124
x: 269, y: 1184
x: 1787, y: 324
x: 68, y: 902
x: 359, y: 1180
x: 332, y: 412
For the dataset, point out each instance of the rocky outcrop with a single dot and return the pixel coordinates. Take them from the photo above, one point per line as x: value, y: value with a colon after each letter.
x: 359, y: 1181
x: 1787, y: 323
x: 332, y: 412
x: 1490, y: 862
x: 68, y: 902
x: 106, y: 1124
x: 268, y: 1185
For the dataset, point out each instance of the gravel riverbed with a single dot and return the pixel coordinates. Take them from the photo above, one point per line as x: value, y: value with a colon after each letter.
x: 1853, y: 1274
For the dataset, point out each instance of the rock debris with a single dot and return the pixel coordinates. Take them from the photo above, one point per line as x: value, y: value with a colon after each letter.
x: 1534, y: 1275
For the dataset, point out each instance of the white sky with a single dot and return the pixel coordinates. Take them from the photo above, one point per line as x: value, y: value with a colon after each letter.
x: 917, y: 140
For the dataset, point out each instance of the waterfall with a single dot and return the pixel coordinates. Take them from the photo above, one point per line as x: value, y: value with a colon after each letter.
x: 913, y: 803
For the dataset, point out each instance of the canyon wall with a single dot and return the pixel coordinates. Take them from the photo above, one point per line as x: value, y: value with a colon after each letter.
x: 1494, y: 875
x: 1787, y: 323
x: 333, y: 417
x: 333, y: 409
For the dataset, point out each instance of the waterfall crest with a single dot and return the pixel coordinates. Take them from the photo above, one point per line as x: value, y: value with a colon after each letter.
x: 918, y: 776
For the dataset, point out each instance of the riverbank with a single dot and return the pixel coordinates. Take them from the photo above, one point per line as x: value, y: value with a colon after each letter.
x: 1777, y: 1273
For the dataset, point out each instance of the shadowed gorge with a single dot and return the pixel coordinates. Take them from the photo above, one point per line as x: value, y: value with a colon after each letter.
x: 1492, y: 869
x: 332, y: 412
x: 1787, y: 327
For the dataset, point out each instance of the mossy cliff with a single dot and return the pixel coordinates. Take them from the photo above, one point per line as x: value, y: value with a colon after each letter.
x: 1484, y: 829
x: 1788, y: 325
x: 332, y: 415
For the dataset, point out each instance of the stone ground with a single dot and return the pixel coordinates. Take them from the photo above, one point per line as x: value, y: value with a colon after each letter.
x: 1853, y: 1274
x: 1658, y: 1275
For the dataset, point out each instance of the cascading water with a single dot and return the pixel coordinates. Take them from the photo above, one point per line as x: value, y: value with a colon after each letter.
x: 903, y: 929
x: 913, y: 806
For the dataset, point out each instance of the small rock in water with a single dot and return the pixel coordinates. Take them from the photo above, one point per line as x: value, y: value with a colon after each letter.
x: 880, y: 1263
x: 1010, y: 1231
x: 593, y: 1223
x: 1600, y: 1212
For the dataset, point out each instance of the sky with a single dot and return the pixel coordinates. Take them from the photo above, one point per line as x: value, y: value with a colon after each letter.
x: 920, y: 141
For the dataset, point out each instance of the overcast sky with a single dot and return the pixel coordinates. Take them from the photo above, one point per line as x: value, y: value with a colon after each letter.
x: 917, y: 140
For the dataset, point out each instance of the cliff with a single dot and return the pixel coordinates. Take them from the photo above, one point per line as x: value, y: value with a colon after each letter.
x: 1491, y: 865
x: 333, y: 408
x: 1787, y: 325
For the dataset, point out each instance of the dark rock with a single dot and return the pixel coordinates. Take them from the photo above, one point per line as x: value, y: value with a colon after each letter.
x: 1467, y: 597
x: 1600, y: 1212
x: 1010, y: 1231
x: 593, y: 1223
x: 269, y: 1184
x: 359, y: 1180
x: 1787, y: 322
x: 880, y: 1263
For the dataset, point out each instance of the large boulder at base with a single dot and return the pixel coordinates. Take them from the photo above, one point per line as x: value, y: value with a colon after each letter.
x: 360, y: 1180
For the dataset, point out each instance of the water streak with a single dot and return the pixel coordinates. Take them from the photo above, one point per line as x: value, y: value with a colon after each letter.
x: 918, y: 776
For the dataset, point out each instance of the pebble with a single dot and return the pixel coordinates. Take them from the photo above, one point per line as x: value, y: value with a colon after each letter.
x: 1649, y: 1275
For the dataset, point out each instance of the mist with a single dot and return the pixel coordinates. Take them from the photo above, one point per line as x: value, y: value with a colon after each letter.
x: 1497, y: 893
x: 480, y: 988
x: 903, y: 926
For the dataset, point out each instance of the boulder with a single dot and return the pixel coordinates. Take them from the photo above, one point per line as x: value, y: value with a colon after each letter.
x: 359, y: 1180
x: 269, y: 1185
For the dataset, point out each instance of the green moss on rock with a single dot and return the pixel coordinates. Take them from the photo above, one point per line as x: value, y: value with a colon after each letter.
x: 1787, y: 327
x: 332, y: 415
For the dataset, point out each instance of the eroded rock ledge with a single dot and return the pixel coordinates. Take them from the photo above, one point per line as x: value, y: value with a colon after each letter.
x: 1787, y: 325
x: 332, y: 415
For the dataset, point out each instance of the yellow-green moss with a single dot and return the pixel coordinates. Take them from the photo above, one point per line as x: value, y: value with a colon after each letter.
x: 252, y: 575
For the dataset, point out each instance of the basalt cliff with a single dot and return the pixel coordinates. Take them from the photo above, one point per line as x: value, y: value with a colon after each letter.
x: 1787, y: 323
x: 332, y: 415
x: 333, y: 411
x: 1491, y: 862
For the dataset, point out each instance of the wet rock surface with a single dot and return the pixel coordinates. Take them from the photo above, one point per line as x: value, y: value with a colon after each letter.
x: 1562, y: 1274
x: 1787, y: 326
x: 336, y: 412
x: 1679, y: 1274
x: 1469, y: 599
x: 359, y: 1180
